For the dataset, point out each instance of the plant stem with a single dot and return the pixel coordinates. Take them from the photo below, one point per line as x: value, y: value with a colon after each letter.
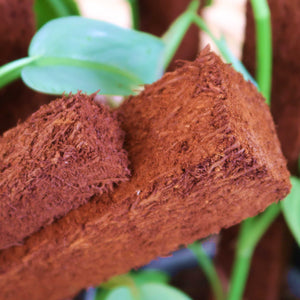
x: 208, y: 268
x: 263, y: 46
x: 12, y: 71
x: 177, y: 30
x: 239, y: 275
x: 134, y: 13
x: 250, y: 233
x: 261, y: 223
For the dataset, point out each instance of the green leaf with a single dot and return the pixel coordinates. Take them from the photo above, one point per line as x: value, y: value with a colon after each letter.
x: 155, y: 291
x: 77, y: 53
x: 150, y: 276
x: 145, y: 285
x: 134, y: 279
x: 46, y: 10
x: 291, y: 209
x: 54, y: 76
x: 119, y: 293
x: 147, y: 291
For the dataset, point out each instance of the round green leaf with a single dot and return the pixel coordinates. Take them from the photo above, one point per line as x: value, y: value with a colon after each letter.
x: 97, y: 41
x: 119, y: 293
x: 157, y: 291
x: 72, y: 76
x: 124, y: 56
x: 147, y: 291
x: 291, y: 209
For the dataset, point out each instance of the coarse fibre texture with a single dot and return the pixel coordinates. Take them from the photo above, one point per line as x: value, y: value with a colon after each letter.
x: 204, y: 155
x: 17, y: 27
x: 66, y: 152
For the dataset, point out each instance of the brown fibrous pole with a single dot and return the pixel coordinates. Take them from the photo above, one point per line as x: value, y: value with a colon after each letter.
x: 62, y: 155
x: 204, y: 155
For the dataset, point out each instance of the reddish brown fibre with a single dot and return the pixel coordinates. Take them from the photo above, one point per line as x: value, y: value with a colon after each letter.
x: 204, y: 156
x: 55, y: 161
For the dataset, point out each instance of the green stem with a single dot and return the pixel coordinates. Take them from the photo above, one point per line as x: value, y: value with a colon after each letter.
x: 263, y: 46
x: 224, y: 49
x: 134, y: 13
x: 208, y: 268
x: 12, y: 70
x: 239, y: 275
x: 250, y: 233
x: 176, y: 32
x: 260, y: 224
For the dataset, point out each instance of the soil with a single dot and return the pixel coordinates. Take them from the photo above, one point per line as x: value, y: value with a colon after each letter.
x: 156, y: 16
x: 66, y: 152
x: 271, y: 258
x: 17, y: 26
x: 202, y: 147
